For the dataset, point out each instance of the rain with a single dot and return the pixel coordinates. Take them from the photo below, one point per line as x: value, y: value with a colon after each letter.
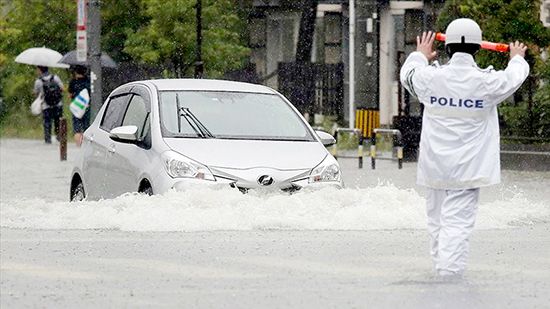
x: 287, y: 154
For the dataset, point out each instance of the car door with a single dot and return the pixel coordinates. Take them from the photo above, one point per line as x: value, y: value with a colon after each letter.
x: 130, y: 160
x: 93, y: 158
x: 99, y: 168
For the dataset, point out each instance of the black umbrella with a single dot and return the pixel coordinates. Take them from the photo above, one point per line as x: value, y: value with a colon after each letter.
x: 70, y: 58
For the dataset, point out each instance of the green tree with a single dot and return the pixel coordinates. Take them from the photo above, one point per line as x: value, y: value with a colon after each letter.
x: 169, y: 38
x: 119, y: 18
x: 34, y: 23
x: 158, y: 32
x: 507, y: 21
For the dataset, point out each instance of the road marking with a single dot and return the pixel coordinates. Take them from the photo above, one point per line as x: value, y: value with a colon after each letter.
x: 48, y: 272
x: 176, y: 268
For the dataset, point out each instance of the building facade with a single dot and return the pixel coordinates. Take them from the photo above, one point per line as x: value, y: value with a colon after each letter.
x: 385, y: 32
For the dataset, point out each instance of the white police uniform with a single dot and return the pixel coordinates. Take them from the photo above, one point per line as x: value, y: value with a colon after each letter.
x: 459, y: 144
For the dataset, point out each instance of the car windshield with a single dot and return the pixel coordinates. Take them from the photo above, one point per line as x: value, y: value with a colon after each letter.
x: 231, y: 115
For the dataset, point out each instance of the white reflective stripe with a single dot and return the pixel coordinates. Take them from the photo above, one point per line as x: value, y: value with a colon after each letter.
x: 456, y: 112
x: 410, y: 82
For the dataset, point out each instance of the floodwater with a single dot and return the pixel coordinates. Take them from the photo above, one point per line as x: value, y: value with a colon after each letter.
x: 34, y: 195
x: 361, y: 246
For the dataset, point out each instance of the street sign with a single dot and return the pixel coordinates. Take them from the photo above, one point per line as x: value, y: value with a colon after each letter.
x: 81, y: 37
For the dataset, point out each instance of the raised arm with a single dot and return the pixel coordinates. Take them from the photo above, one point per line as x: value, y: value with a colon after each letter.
x: 412, y: 74
x: 502, y: 84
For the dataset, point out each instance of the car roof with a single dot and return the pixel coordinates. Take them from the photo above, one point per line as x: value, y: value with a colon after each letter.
x: 206, y: 85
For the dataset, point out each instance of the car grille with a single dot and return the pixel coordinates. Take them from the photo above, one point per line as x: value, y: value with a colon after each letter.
x: 291, y: 189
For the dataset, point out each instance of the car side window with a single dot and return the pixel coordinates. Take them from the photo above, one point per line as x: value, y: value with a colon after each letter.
x: 137, y: 115
x: 113, y: 113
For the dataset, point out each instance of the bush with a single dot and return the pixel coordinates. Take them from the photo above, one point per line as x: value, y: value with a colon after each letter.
x: 519, y: 121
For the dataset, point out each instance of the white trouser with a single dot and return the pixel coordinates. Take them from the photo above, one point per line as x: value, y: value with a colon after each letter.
x: 451, y: 218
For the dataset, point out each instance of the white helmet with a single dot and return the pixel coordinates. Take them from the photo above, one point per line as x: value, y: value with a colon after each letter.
x: 463, y: 30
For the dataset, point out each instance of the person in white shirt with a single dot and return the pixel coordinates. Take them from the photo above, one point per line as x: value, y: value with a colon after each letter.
x: 460, y: 140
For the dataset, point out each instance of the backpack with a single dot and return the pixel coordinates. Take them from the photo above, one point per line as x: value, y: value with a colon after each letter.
x: 52, y: 91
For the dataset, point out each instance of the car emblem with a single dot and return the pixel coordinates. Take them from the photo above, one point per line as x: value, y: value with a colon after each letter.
x: 265, y: 180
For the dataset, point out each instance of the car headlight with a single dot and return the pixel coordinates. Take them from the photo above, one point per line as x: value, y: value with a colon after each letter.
x: 328, y: 170
x: 179, y: 166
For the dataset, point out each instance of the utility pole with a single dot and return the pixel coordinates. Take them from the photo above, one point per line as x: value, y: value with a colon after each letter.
x: 94, y: 55
x: 199, y: 65
x: 351, y: 64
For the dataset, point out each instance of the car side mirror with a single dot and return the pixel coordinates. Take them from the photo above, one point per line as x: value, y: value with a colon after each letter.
x: 326, y: 139
x: 124, y: 134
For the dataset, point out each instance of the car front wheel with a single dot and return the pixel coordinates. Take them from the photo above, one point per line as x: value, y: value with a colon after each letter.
x: 78, y: 194
x: 148, y: 190
x: 145, y: 188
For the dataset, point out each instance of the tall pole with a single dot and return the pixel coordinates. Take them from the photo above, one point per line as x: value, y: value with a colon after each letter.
x: 351, y: 64
x: 199, y: 66
x: 94, y: 55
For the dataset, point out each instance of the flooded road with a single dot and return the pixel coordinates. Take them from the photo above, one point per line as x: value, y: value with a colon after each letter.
x: 363, y: 246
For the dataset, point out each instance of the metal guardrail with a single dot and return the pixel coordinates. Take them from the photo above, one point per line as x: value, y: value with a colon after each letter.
x: 360, y: 154
x: 360, y: 145
x: 398, y: 144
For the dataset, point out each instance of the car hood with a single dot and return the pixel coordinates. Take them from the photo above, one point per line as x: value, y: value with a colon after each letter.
x: 249, y: 154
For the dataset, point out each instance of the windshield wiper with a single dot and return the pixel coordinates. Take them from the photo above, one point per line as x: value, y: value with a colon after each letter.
x: 202, y: 128
x: 197, y: 126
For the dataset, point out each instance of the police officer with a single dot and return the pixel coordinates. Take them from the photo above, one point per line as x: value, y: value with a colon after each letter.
x: 460, y: 140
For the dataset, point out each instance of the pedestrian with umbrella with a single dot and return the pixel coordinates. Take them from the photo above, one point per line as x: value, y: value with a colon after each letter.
x: 47, y: 86
x: 79, y: 90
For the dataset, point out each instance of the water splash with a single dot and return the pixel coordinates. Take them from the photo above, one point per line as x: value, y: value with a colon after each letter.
x: 205, y: 209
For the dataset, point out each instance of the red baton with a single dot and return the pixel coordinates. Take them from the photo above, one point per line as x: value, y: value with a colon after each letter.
x: 499, y: 47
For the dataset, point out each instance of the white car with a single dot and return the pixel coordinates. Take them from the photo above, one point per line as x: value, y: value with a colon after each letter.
x: 156, y: 135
